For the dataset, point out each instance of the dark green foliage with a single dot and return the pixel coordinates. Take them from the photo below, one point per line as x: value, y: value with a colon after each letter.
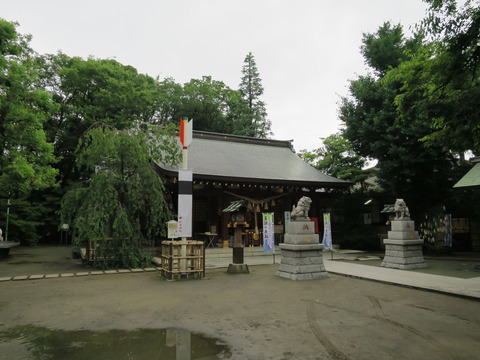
x: 23, y: 220
x: 407, y: 166
x: 212, y: 105
x: 91, y: 91
x: 387, y: 48
x: 204, y: 101
x: 26, y: 157
x: 48, y: 102
x: 349, y: 231
x: 337, y: 158
x: 119, y: 206
x: 441, y: 84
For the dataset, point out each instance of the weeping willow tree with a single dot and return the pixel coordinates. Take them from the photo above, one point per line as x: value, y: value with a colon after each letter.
x: 119, y: 206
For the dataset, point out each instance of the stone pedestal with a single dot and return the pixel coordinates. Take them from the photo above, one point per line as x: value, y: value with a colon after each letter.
x: 403, y: 247
x: 5, y: 247
x: 238, y: 269
x: 238, y: 266
x: 302, y: 257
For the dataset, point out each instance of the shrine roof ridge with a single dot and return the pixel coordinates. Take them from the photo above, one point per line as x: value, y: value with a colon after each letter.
x: 242, y: 139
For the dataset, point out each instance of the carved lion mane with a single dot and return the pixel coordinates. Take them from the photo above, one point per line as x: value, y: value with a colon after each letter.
x: 401, y: 210
x: 302, y: 208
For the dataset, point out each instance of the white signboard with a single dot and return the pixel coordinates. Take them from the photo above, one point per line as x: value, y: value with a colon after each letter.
x: 185, y: 203
x: 172, y: 229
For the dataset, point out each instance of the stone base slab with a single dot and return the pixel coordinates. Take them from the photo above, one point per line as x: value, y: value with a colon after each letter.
x: 297, y: 239
x: 403, y: 225
x: 403, y: 242
x: 403, y: 235
x: 301, y: 247
x: 310, y: 276
x: 423, y: 265
x: 301, y: 227
x: 238, y: 269
x: 302, y: 262
x: 406, y: 256
x: 301, y: 268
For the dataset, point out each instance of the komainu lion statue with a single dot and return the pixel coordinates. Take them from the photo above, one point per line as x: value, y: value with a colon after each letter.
x: 401, y: 210
x: 302, y: 208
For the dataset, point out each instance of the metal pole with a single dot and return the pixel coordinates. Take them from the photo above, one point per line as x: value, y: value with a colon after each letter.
x: 6, y: 226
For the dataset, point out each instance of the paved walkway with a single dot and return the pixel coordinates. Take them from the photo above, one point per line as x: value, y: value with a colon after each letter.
x: 221, y: 258
x: 444, y: 284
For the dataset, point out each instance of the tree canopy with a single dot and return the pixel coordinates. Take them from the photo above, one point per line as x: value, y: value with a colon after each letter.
x: 376, y: 129
x: 91, y: 91
x: 337, y: 158
x: 26, y: 156
x: 441, y: 83
x: 120, y: 203
x: 48, y: 102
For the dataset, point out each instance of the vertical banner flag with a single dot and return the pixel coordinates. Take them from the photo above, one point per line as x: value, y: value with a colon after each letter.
x: 327, y: 232
x: 268, y: 233
x: 448, y: 230
x: 184, y: 203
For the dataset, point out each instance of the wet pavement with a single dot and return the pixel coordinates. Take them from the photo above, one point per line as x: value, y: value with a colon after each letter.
x: 252, y: 316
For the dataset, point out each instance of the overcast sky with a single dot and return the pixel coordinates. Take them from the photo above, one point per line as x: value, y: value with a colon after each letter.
x: 305, y: 50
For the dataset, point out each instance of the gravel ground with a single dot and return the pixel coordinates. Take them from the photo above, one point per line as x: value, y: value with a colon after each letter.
x: 258, y: 315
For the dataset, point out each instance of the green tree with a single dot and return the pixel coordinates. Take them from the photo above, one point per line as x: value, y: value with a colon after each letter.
x: 26, y: 155
x: 251, y: 89
x: 384, y: 49
x: 203, y: 100
x: 337, y: 158
x: 91, y: 91
x: 239, y: 121
x: 168, y: 100
x: 86, y: 92
x: 407, y: 166
x: 27, y: 158
x: 120, y: 203
x: 214, y: 107
x: 441, y: 84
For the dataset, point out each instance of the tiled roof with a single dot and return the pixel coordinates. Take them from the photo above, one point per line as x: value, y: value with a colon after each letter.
x: 236, y: 158
x: 471, y: 178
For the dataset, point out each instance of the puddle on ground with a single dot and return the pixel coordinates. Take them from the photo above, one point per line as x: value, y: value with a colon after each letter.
x: 34, y: 342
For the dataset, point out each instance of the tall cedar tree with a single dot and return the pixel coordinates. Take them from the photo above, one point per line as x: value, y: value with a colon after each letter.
x: 251, y: 89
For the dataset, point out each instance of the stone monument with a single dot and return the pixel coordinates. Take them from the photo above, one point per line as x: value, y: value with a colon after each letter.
x: 403, y: 247
x: 302, y: 257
